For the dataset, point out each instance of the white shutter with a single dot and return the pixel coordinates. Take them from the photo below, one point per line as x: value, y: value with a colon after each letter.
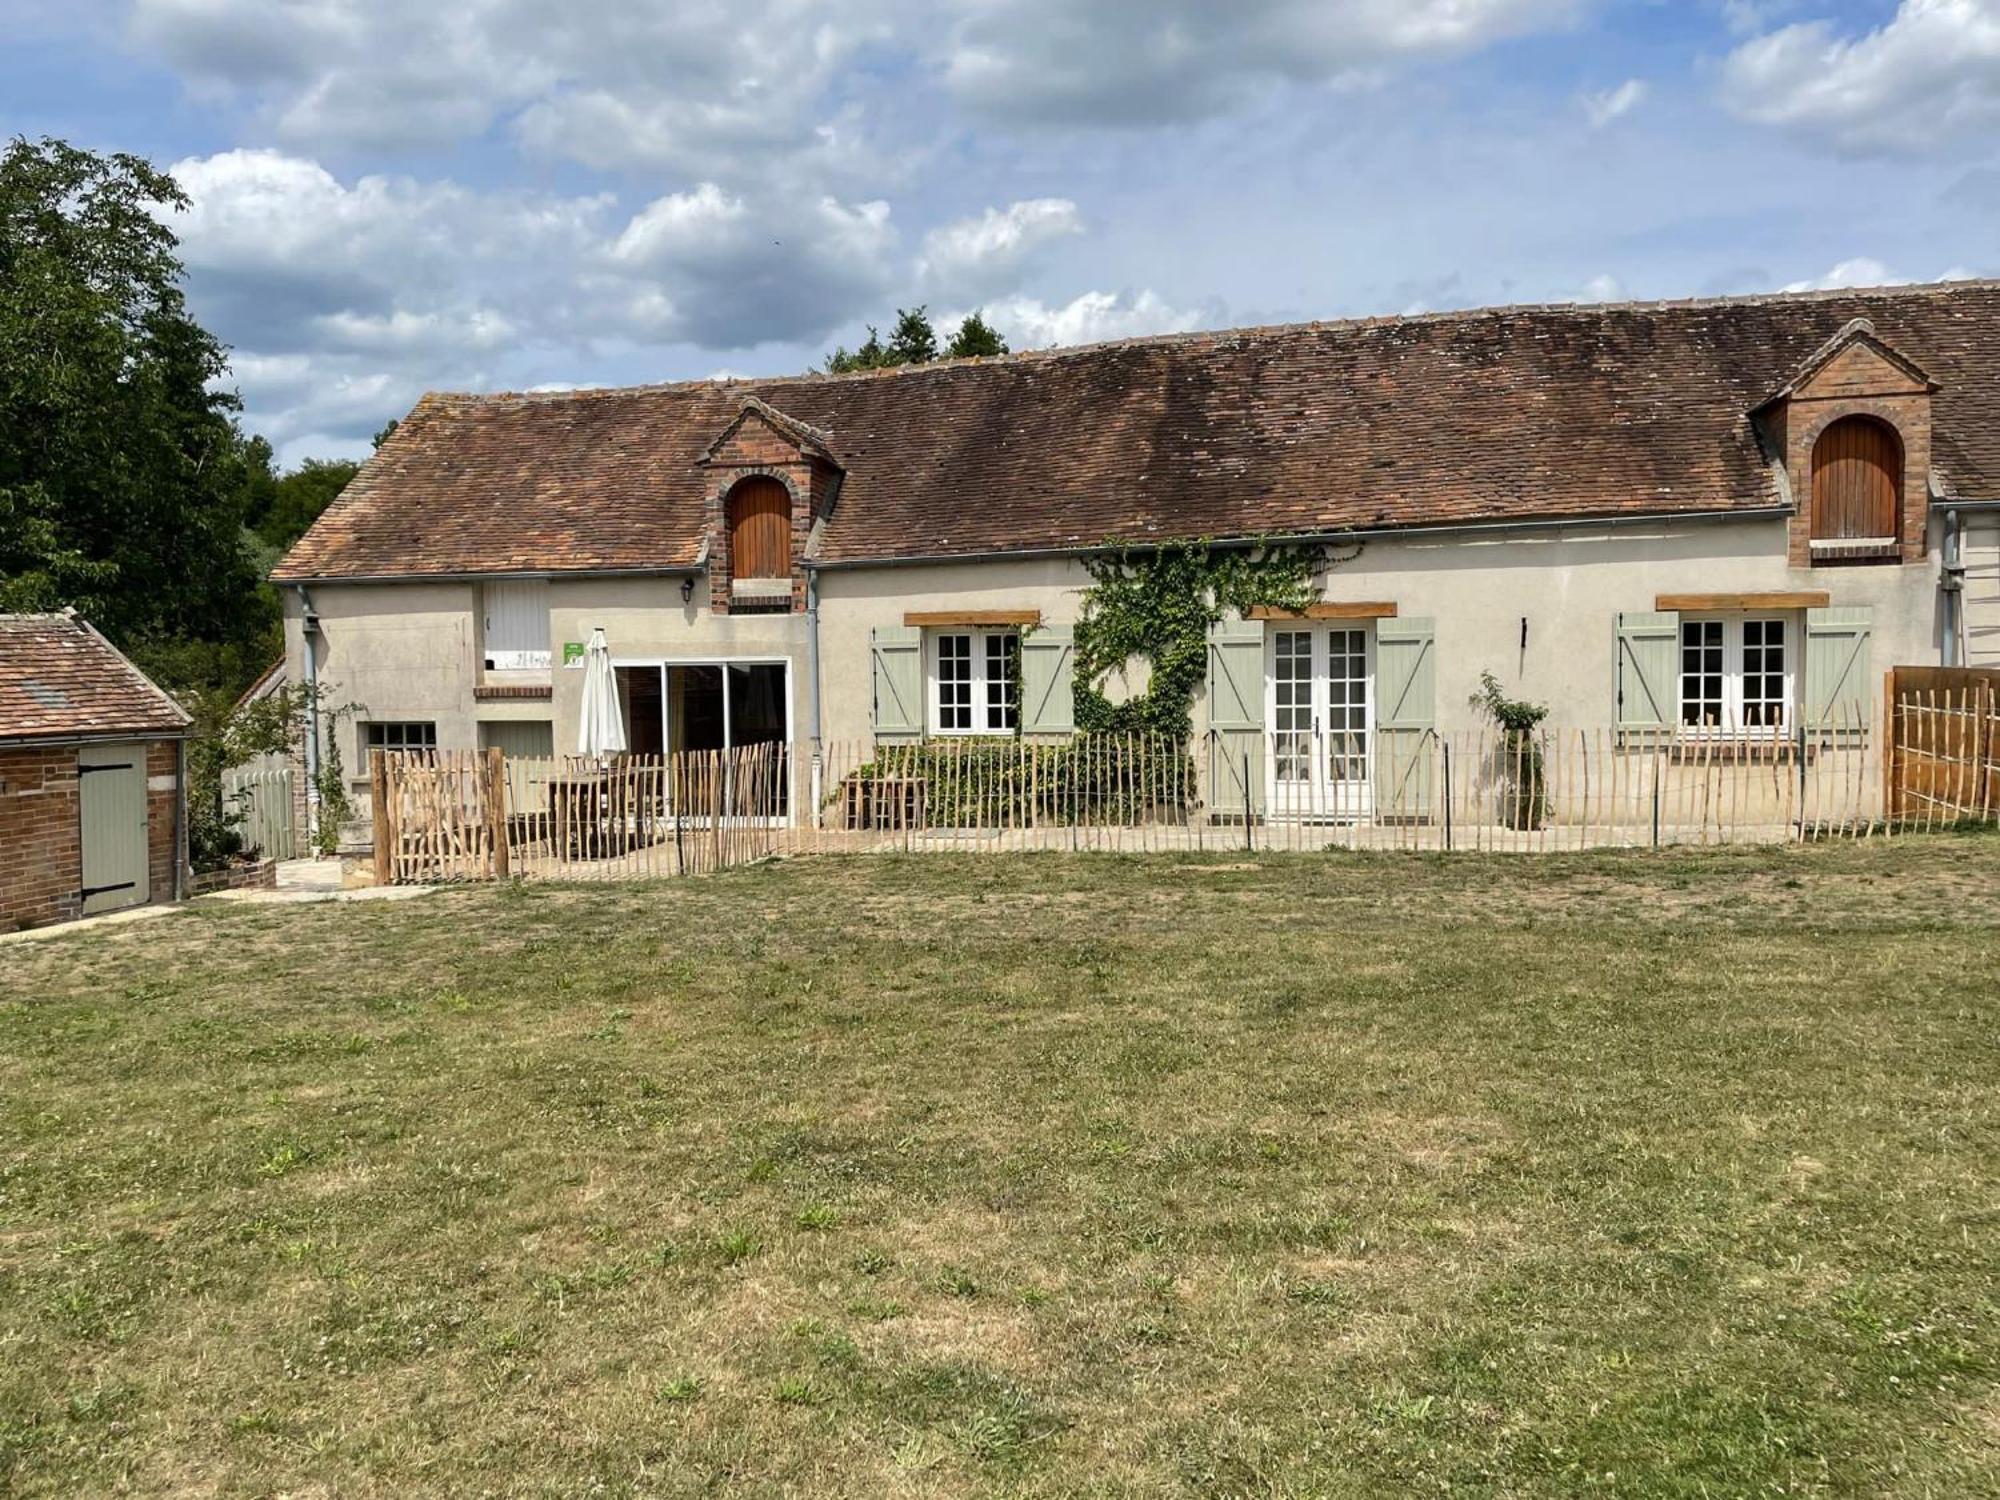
x: 515, y: 625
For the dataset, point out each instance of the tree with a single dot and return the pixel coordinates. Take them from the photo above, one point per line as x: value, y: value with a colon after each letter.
x: 124, y: 483
x: 913, y: 341
x: 300, y: 496
x: 870, y: 356
x: 975, y: 338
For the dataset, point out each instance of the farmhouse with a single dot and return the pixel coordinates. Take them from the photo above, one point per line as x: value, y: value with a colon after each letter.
x: 92, y: 776
x: 1723, y: 517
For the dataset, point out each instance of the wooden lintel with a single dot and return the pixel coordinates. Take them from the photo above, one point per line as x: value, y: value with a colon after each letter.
x: 1796, y: 599
x: 944, y: 617
x: 1376, y: 610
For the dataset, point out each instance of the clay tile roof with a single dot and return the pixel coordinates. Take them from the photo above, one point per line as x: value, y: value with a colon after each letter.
x: 1506, y: 414
x: 60, y: 679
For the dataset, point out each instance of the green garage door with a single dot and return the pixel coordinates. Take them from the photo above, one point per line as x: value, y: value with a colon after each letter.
x: 112, y: 793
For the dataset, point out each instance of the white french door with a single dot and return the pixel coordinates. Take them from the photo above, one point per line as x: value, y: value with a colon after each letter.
x: 1320, y: 707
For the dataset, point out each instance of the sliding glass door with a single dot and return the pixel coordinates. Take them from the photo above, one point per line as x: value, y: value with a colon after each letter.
x: 684, y: 708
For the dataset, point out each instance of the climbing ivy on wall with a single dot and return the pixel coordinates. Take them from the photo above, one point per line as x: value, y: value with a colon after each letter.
x: 1157, y: 605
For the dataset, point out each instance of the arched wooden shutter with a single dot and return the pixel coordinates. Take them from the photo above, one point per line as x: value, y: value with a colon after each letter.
x: 1857, y: 478
x: 760, y: 530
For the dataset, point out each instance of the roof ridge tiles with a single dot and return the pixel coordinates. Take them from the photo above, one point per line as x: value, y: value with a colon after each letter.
x: 1196, y: 336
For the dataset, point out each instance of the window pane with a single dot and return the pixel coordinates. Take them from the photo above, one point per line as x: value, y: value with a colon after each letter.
x: 1291, y: 686
x: 1763, y: 673
x: 1701, y: 672
x: 391, y: 735
x: 954, y: 680
x: 1002, y: 680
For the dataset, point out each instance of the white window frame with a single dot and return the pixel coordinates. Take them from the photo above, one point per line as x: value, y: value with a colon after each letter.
x: 988, y: 717
x: 662, y: 664
x: 1321, y: 795
x: 1733, y: 673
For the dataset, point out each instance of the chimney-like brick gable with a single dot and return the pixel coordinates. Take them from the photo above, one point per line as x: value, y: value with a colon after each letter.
x: 762, y: 441
x: 1854, y: 373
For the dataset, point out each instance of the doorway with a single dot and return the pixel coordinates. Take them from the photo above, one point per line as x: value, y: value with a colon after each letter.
x: 678, y: 708
x: 111, y: 798
x: 1321, y: 711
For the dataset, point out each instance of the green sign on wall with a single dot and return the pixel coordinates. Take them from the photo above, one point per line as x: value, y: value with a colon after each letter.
x: 572, y: 653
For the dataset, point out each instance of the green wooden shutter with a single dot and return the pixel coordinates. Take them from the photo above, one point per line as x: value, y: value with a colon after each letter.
x: 1234, y: 753
x: 1048, y: 667
x: 898, y: 652
x: 1648, y: 685
x: 1840, y: 681
x: 1405, y: 716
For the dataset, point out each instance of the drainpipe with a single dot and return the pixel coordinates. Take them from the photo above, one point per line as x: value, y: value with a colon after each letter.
x: 812, y: 686
x: 308, y: 630
x: 180, y: 821
x: 1951, y: 586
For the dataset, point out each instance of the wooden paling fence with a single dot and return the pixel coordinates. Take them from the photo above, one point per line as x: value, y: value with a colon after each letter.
x: 479, y: 815
x: 442, y: 816
x: 262, y: 799
x: 1943, y: 756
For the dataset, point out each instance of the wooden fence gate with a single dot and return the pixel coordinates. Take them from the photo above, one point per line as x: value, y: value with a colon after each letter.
x: 439, y: 816
x: 263, y: 797
x: 1942, y: 751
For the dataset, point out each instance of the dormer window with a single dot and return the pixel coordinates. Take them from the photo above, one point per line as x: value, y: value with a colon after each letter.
x: 760, y: 539
x: 1857, y: 481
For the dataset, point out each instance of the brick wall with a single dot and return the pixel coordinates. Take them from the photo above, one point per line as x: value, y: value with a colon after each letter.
x: 1858, y: 382
x: 41, y: 833
x: 162, y: 791
x: 41, y: 844
x: 756, y: 448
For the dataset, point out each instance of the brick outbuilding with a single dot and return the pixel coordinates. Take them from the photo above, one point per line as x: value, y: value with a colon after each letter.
x: 93, y: 776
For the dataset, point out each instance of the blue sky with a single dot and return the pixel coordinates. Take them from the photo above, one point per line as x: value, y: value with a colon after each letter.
x: 506, y: 194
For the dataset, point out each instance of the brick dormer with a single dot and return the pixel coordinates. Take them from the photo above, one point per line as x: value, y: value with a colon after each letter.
x: 770, y: 477
x: 1853, y: 429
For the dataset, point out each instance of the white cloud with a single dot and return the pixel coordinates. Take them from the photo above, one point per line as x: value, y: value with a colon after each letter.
x: 641, y: 82
x: 976, y: 257
x: 1602, y: 108
x: 1860, y: 271
x: 1601, y: 289
x: 1121, y: 63
x: 712, y: 269
x: 1930, y: 74
x: 286, y: 257
x: 709, y: 89
x: 1090, y: 318
x: 386, y: 286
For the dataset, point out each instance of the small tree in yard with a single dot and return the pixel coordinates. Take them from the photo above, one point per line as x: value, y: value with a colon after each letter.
x: 1525, y: 796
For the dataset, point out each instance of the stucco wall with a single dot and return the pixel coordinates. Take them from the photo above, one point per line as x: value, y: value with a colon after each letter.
x: 1568, y: 584
x: 408, y: 651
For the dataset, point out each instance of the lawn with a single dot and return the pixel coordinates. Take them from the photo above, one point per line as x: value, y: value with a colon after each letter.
x: 1625, y: 1174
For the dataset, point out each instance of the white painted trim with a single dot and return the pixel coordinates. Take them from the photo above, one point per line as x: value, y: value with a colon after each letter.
x: 983, y: 729
x: 1319, y: 798
x: 639, y: 663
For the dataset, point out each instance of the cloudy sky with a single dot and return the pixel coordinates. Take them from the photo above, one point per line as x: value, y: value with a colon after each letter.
x: 390, y: 197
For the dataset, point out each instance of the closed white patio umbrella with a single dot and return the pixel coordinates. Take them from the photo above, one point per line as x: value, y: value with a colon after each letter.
x: 601, y: 731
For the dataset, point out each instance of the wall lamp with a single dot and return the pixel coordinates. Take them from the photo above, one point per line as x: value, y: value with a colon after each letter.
x: 687, y: 589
